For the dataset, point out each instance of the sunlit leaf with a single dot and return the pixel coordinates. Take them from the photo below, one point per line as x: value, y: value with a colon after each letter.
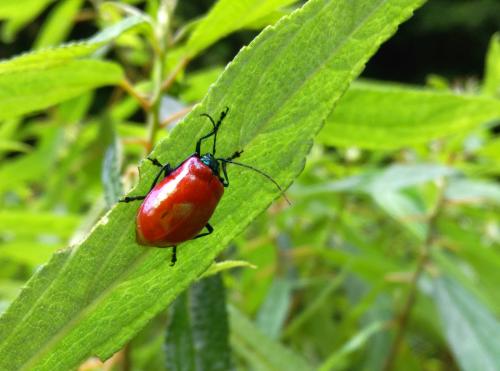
x: 57, y: 27
x: 391, y: 116
x: 225, y: 265
x: 492, y: 73
x: 93, y: 298
x: 228, y: 16
x: 34, y: 89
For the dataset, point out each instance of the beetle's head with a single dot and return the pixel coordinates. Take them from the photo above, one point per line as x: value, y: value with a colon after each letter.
x: 209, y: 160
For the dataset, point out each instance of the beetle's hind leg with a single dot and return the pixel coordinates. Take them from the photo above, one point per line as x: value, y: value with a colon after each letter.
x: 209, y: 228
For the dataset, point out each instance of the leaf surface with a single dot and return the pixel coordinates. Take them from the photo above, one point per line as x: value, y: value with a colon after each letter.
x: 91, y: 299
x: 379, y: 116
x: 31, y: 90
x: 40, y: 79
x: 228, y: 16
x: 492, y: 70
x: 469, y: 326
x: 259, y: 350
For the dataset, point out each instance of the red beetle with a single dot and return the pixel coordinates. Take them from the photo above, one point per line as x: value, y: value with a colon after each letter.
x: 177, y: 208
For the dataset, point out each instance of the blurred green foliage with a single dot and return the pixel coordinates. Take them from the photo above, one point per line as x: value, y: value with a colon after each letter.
x: 388, y: 257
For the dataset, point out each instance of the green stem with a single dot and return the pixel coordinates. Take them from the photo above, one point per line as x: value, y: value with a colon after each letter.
x: 157, y: 76
x: 403, y: 318
x: 153, y: 116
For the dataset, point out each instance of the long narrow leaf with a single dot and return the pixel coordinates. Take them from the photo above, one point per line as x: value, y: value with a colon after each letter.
x: 91, y: 299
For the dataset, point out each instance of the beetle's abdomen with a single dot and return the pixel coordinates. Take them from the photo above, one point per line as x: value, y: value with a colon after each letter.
x: 180, y: 206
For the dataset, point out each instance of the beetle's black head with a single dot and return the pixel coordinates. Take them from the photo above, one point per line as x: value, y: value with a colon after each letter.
x: 211, y: 162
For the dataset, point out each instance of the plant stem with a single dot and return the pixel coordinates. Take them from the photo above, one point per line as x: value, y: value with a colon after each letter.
x: 157, y: 72
x: 171, y: 78
x: 127, y: 86
x: 402, y: 319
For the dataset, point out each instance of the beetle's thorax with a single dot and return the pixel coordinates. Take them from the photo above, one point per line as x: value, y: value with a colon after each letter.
x: 209, y: 160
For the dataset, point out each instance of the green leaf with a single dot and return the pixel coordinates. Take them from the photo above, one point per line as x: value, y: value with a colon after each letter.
x: 337, y: 359
x: 475, y: 266
x: 469, y: 327
x: 93, y: 298
x: 401, y: 176
x: 110, y: 175
x: 11, y: 145
x: 393, y: 178
x: 27, y: 252
x: 225, y: 265
x: 112, y: 163
x: 179, y: 340
x: 58, y: 25
x: 47, y: 57
x: 274, y: 311
x: 18, y: 14
x: 313, y: 307
x: 46, y: 77
x: 198, y: 82
x: 209, y: 324
x: 32, y: 224
x: 397, y: 116
x: 198, y: 333
x: 473, y: 191
x: 39, y: 161
x: 407, y: 209
x: 228, y: 16
x: 492, y: 70
x: 12, y: 9
x: 35, y: 89
x: 261, y: 352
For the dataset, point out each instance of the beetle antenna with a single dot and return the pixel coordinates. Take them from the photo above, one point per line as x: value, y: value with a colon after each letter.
x: 258, y: 171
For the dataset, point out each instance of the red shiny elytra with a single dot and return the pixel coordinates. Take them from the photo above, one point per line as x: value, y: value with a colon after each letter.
x: 177, y: 208
x: 180, y: 206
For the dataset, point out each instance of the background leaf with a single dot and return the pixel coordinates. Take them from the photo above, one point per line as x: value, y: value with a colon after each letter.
x: 228, y: 16
x: 468, y: 326
x: 57, y: 27
x: 260, y: 351
x: 54, y: 84
x: 395, y: 116
x: 45, y: 58
x: 198, y: 333
x: 492, y: 72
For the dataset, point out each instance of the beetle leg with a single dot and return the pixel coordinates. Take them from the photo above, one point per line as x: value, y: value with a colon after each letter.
x: 155, y: 162
x: 225, y: 181
x: 174, y: 256
x: 209, y: 228
x: 165, y: 169
x: 198, y: 143
x: 133, y: 198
